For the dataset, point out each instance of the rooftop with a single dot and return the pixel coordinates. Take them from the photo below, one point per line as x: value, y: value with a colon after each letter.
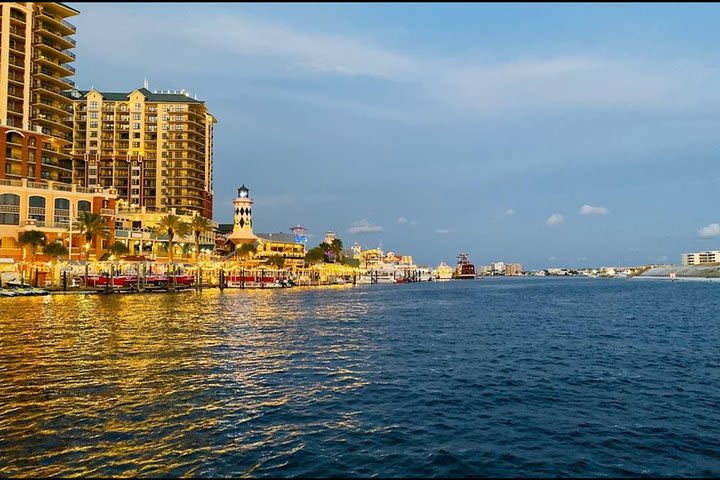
x: 162, y: 97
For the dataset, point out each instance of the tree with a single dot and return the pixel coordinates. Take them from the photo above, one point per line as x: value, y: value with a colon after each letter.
x: 336, y: 248
x: 276, y: 261
x: 92, y: 225
x: 315, y: 255
x: 118, y: 248
x: 246, y: 250
x: 351, y: 262
x: 33, y: 239
x: 55, y: 250
x: 172, y: 225
x: 198, y: 226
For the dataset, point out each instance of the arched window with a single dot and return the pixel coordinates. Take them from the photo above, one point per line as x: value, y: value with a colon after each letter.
x: 37, y: 208
x: 84, y: 206
x: 14, y: 137
x: 9, y: 209
x: 62, y: 210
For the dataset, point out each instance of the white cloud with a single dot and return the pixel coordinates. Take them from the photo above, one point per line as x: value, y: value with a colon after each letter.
x: 363, y: 226
x: 402, y: 220
x: 589, y: 210
x: 554, y: 219
x: 509, y: 212
x: 442, y: 230
x: 710, y: 231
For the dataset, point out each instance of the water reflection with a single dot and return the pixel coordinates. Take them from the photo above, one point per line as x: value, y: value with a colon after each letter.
x: 162, y: 384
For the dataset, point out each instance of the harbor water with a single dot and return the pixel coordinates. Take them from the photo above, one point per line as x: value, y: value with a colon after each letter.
x: 499, y: 377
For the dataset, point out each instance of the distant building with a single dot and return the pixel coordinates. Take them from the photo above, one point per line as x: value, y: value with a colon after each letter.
x: 498, y: 268
x: 701, y: 258
x: 512, y: 269
x: 484, y: 269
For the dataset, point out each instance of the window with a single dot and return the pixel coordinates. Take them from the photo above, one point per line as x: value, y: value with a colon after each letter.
x: 94, y: 133
x: 94, y: 104
x: 93, y: 114
x: 93, y: 124
x: 135, y: 144
x: 136, y: 134
x: 138, y: 107
x: 136, y: 126
x: 37, y: 208
x: 62, y: 210
x: 136, y: 116
x: 83, y: 206
x: 9, y: 209
x: 166, y: 126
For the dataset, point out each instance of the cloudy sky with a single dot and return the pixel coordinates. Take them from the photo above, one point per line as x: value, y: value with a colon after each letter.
x: 549, y: 135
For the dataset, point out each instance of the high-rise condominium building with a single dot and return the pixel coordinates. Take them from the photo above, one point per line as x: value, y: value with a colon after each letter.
x: 154, y: 148
x: 35, y: 62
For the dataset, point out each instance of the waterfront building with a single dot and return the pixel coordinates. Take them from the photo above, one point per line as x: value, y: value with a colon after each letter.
x: 154, y: 148
x: 135, y: 227
x: 701, y: 258
x: 284, y: 245
x: 498, y: 268
x: 484, y: 270
x: 513, y: 269
x: 49, y: 208
x: 35, y: 65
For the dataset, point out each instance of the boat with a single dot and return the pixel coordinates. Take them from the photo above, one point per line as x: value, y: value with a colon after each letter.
x: 253, y: 281
x: 464, y: 270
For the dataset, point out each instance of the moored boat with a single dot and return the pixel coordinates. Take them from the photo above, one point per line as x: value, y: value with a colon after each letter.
x: 464, y: 270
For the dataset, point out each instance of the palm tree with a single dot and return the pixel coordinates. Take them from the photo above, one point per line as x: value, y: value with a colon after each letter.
x: 336, y: 247
x: 55, y: 250
x: 92, y: 225
x: 276, y: 261
x: 246, y: 250
x: 118, y: 248
x: 172, y: 225
x: 199, y: 225
x: 33, y: 239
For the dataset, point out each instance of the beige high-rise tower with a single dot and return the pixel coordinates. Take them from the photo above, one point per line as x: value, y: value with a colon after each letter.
x: 35, y: 62
x: 154, y: 148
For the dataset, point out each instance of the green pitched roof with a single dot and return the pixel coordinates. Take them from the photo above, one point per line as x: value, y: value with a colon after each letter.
x: 149, y: 96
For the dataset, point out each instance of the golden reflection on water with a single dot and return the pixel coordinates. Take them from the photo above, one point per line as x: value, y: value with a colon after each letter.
x: 163, y: 384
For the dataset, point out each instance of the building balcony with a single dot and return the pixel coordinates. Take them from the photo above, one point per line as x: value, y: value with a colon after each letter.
x: 55, y: 67
x: 49, y: 75
x: 51, y: 50
x: 63, y: 26
x: 62, y: 41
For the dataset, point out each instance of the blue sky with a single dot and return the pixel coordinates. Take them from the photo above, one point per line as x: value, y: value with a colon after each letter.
x: 550, y: 135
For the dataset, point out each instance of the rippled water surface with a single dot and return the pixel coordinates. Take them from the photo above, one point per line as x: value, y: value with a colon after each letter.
x: 517, y: 376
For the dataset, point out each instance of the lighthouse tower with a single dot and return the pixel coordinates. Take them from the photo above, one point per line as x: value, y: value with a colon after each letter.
x: 242, y: 220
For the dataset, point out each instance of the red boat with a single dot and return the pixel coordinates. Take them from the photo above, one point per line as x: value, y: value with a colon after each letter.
x: 130, y: 282
x: 464, y: 270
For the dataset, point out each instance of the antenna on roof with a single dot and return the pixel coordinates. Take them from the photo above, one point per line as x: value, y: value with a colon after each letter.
x: 145, y: 84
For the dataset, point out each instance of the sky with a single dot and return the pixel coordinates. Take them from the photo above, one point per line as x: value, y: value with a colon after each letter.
x: 546, y: 134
